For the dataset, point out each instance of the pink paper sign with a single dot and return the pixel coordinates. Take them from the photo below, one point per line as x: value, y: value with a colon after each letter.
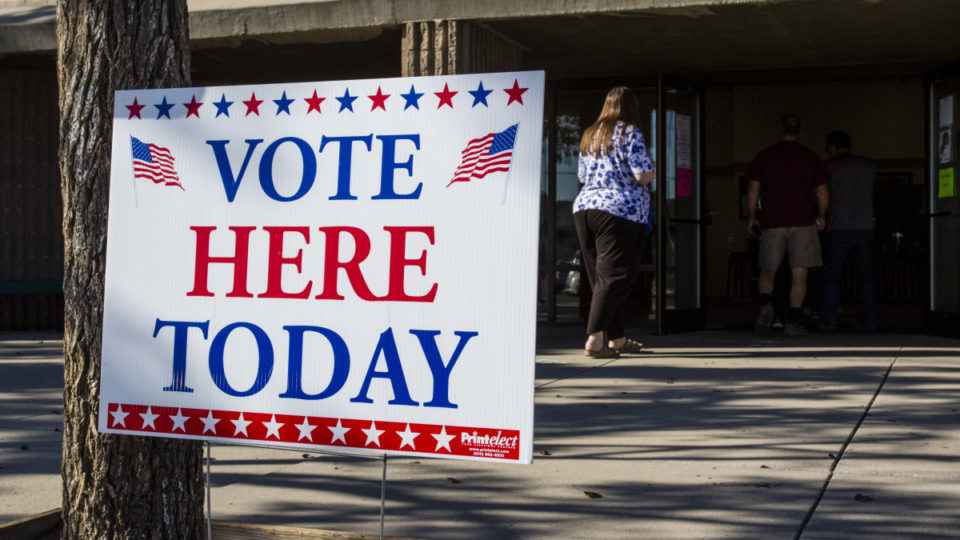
x: 684, y: 183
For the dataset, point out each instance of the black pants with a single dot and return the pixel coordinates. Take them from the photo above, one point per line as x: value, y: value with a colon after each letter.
x: 611, y: 248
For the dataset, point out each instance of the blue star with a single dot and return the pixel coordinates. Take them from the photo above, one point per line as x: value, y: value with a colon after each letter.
x: 163, y: 109
x: 480, y: 95
x: 223, y: 106
x: 283, y: 104
x: 346, y: 102
x: 412, y: 99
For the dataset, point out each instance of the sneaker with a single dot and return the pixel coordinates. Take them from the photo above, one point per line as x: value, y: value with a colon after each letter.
x: 764, y: 319
x: 795, y: 330
x: 777, y: 324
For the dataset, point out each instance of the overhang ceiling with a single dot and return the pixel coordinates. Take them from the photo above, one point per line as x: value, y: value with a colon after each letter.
x: 813, y: 38
x: 720, y: 41
x: 727, y: 42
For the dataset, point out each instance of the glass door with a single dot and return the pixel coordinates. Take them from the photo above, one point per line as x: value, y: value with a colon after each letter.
x: 679, y: 207
x: 678, y: 215
x: 565, y: 293
x: 943, y: 317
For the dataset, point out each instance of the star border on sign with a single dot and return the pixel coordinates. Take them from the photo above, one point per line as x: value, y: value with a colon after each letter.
x: 346, y: 101
x: 339, y: 432
x: 480, y: 95
x: 306, y: 430
x: 273, y: 427
x: 283, y: 104
x: 193, y: 107
x: 515, y: 93
x: 446, y: 96
x: 373, y: 434
x: 443, y: 439
x: 149, y: 419
x: 179, y: 421
x: 253, y: 104
x: 240, y: 426
x: 313, y: 103
x: 119, y: 417
x: 223, y: 106
x: 407, y: 438
x: 163, y: 109
x: 210, y: 423
x: 135, y: 109
x: 379, y: 100
x: 412, y: 99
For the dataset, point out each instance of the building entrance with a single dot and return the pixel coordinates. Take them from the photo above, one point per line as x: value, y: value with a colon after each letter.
x: 677, y: 223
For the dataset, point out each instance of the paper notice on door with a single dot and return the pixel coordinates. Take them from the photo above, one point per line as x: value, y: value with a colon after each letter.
x: 683, y: 143
x: 946, y: 110
x: 945, y: 141
x: 946, y: 188
x: 684, y: 183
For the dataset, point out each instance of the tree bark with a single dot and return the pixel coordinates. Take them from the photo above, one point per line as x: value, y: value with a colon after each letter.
x: 113, y: 486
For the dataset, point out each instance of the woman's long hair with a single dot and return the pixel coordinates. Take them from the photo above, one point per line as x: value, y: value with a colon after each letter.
x: 621, y: 105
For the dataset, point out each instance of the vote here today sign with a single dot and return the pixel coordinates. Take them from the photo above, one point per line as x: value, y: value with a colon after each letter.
x: 333, y: 265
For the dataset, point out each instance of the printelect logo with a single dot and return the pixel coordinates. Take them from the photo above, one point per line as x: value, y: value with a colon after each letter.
x: 495, y: 441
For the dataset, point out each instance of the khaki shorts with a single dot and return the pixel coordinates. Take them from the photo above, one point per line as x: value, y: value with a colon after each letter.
x: 801, y: 243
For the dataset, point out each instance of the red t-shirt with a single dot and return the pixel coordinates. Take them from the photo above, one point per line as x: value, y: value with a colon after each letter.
x: 789, y: 174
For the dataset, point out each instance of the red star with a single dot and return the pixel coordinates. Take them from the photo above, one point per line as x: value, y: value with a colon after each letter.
x: 134, y: 109
x: 314, y: 102
x: 193, y: 107
x: 445, y: 97
x: 253, y: 105
x: 379, y: 100
x: 515, y: 93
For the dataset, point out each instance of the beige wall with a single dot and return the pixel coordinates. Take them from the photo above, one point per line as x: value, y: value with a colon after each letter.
x: 885, y: 118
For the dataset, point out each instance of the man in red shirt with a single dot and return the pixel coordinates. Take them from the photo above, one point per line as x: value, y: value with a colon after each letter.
x: 790, y: 183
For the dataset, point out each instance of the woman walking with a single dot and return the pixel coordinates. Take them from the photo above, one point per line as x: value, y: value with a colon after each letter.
x: 612, y: 217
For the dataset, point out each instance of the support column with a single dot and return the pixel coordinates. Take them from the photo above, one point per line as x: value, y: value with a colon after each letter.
x: 452, y: 47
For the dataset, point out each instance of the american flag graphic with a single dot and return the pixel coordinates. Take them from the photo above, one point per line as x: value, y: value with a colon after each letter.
x: 488, y: 154
x: 154, y: 163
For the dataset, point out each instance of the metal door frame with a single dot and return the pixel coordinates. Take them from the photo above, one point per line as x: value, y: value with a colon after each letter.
x: 679, y: 320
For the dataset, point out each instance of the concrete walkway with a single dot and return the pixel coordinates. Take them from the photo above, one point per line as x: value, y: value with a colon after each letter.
x: 708, y: 435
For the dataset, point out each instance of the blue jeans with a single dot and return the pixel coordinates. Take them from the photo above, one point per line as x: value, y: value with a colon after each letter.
x: 858, y: 245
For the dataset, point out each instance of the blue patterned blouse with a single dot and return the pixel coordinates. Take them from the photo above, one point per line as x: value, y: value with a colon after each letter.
x: 608, y: 181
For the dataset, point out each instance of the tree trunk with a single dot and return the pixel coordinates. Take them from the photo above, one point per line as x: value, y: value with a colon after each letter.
x: 113, y: 486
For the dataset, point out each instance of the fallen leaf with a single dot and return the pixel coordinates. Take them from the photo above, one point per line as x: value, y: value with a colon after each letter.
x: 862, y: 498
x: 831, y: 456
x: 24, y: 447
x: 452, y: 480
x: 545, y: 453
x: 593, y: 494
x: 305, y: 456
x: 764, y: 467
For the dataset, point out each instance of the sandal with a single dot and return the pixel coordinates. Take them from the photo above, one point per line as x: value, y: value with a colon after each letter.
x: 605, y: 352
x: 629, y: 346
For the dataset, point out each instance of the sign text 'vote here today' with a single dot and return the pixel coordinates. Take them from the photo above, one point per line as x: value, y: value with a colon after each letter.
x: 333, y: 265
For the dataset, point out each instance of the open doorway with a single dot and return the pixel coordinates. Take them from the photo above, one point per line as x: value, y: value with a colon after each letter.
x: 885, y: 118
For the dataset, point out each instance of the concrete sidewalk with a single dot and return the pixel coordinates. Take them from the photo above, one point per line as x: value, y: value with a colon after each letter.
x: 708, y: 435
